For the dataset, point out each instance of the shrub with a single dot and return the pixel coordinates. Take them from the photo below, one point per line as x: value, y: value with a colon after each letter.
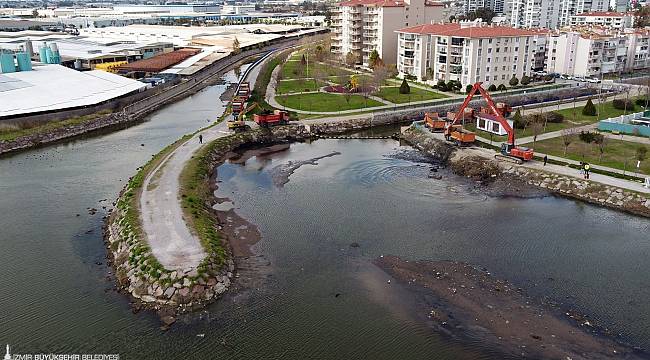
x: 548, y: 78
x: 514, y: 81
x: 589, y: 137
x: 454, y: 85
x: 641, y: 102
x: 621, y: 104
x: 442, y: 86
x: 554, y: 117
x: 589, y: 109
x: 518, y: 120
x: 468, y: 89
x: 502, y: 88
x: 525, y: 80
x: 492, y: 87
x: 404, y: 88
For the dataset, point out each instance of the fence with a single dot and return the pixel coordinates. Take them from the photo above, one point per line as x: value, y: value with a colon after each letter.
x: 622, y: 124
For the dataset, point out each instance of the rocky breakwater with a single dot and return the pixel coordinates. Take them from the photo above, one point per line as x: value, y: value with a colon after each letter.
x: 139, y: 273
x: 480, y: 165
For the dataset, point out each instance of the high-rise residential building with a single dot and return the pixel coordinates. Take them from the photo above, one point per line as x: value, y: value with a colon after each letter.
x: 587, y: 52
x: 533, y: 13
x: 361, y: 26
x: 496, y: 5
x: 549, y: 14
x: 638, y: 45
x: 467, y: 52
x: 608, y: 19
x: 621, y: 5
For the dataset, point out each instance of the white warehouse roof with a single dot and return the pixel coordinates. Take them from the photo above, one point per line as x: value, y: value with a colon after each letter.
x: 56, y: 87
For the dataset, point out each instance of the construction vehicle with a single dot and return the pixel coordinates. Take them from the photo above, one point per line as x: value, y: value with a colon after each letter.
x: 237, y: 105
x: 434, y: 122
x: 237, y: 123
x: 509, y: 151
x: 268, y: 118
x: 460, y: 135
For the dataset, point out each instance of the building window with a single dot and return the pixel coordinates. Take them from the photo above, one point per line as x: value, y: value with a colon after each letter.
x: 490, y: 51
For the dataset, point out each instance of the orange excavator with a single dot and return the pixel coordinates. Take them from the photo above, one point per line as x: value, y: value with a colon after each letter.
x: 509, y: 151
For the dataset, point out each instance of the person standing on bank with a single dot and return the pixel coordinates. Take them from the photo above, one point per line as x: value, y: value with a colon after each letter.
x: 587, y: 171
x: 545, y: 159
x: 200, y: 138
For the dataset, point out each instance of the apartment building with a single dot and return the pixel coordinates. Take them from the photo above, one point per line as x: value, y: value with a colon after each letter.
x: 533, y: 13
x: 615, y: 20
x: 466, y: 51
x: 361, y: 26
x: 587, y: 52
x: 496, y: 5
x: 638, y: 54
x: 549, y: 14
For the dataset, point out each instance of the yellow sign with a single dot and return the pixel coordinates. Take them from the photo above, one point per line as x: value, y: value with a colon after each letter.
x: 110, y: 66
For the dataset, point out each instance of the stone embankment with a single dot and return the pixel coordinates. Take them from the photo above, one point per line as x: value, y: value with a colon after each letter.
x: 137, y: 271
x: 481, y: 166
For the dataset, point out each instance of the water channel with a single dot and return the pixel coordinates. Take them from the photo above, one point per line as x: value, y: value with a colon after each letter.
x: 319, y: 297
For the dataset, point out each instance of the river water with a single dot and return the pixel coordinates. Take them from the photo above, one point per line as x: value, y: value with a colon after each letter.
x: 317, y: 297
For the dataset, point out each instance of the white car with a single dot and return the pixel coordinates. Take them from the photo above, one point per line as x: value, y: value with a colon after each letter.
x: 593, y: 80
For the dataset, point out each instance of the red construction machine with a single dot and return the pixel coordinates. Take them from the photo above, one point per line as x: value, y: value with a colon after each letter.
x: 434, y: 122
x: 508, y: 149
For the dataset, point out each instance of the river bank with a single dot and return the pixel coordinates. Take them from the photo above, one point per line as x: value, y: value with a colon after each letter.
x: 480, y: 165
x: 136, y: 112
x: 469, y: 303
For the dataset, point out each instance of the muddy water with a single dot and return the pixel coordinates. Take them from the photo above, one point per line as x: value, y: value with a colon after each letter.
x: 380, y: 196
x: 311, y: 294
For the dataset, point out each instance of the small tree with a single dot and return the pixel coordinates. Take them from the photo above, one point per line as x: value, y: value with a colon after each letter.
x: 514, y: 81
x: 589, y: 109
x: 392, y: 70
x: 320, y: 53
x: 373, y: 59
x: 442, y: 86
x: 303, y: 60
x: 350, y: 59
x: 379, y: 76
x: 235, y: 46
x: 404, y: 88
x: 568, y: 137
x: 502, y: 88
x: 468, y: 88
x: 641, y: 153
x: 601, y: 141
x: 536, y: 126
x: 517, y: 120
x: 525, y: 80
x: 492, y: 87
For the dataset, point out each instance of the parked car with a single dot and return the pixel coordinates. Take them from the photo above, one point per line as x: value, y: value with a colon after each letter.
x: 593, y: 80
x: 566, y: 77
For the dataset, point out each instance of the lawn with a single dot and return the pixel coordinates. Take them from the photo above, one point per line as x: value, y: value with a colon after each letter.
x: 325, y: 102
x: 294, y: 86
x: 606, y: 111
x: 392, y: 94
x: 616, y: 152
x: 290, y: 70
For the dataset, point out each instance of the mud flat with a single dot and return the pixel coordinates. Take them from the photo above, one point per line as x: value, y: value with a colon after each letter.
x: 469, y: 303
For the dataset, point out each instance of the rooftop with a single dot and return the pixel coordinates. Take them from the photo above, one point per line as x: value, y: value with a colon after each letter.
x: 455, y: 29
x: 56, y: 87
x: 383, y: 3
x: 603, y: 14
x: 160, y: 62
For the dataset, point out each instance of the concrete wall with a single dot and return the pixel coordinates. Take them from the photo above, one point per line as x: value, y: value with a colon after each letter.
x: 624, y: 128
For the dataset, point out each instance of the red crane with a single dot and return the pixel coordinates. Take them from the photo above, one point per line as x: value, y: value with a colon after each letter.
x: 508, y: 148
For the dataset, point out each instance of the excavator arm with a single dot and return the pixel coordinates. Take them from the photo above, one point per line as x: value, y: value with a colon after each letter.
x: 461, y: 112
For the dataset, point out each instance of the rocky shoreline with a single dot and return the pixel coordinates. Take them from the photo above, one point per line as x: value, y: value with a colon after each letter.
x: 487, y: 170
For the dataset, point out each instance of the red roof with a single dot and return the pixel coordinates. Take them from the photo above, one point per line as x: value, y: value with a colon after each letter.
x: 602, y: 14
x: 383, y: 3
x: 455, y: 29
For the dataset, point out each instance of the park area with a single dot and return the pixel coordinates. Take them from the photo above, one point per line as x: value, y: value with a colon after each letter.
x: 309, y: 81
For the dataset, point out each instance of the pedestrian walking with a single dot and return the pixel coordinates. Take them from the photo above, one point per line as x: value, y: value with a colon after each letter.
x: 582, y: 168
x: 587, y: 171
x: 545, y: 159
x: 200, y: 139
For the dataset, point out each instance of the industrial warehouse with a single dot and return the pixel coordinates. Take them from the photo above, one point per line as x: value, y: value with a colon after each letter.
x: 100, y: 65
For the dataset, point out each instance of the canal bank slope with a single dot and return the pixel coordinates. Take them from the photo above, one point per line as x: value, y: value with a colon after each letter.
x: 480, y: 164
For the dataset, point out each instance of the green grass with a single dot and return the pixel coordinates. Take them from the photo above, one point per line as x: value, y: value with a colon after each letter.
x: 294, y: 86
x: 392, y: 94
x: 290, y: 70
x: 325, y: 102
x: 616, y: 153
x: 13, y: 133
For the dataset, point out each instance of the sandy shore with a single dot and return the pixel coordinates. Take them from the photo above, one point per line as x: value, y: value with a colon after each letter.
x: 468, y: 303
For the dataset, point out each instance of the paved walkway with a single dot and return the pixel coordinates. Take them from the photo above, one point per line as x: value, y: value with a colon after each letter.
x: 172, y: 242
x: 565, y: 170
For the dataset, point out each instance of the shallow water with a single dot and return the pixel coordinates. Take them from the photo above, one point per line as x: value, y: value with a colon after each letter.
x: 55, y: 296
